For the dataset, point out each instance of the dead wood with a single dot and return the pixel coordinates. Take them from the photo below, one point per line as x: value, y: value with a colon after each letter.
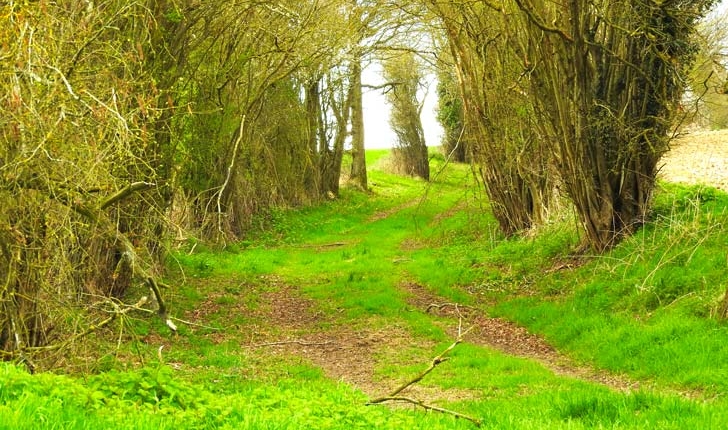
x: 439, y: 359
x: 289, y: 342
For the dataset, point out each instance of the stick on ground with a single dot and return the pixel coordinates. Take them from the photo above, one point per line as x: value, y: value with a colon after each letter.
x: 440, y: 358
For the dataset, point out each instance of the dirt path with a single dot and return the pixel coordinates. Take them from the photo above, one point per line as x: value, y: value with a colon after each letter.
x: 351, y: 356
x: 378, y: 216
x: 513, y: 339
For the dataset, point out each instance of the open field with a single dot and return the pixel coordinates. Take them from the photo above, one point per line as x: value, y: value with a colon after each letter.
x: 699, y: 157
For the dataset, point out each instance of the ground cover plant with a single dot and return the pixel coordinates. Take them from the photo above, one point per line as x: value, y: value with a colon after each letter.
x: 322, y: 309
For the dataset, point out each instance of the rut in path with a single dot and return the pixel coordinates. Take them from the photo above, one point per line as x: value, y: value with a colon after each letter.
x: 351, y: 356
x: 514, y: 340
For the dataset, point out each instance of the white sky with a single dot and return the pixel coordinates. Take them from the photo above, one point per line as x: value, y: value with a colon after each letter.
x: 377, y: 132
x: 722, y: 6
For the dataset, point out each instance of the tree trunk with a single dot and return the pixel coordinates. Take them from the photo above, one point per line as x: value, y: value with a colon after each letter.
x: 607, y: 86
x: 316, y: 137
x: 358, y: 175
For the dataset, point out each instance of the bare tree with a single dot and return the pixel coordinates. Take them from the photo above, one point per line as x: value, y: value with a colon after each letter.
x: 410, y: 153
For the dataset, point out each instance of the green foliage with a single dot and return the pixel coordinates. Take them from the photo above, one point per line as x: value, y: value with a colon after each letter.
x: 154, y: 399
x: 174, y: 15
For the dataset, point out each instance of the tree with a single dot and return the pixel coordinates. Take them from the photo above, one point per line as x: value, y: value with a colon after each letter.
x: 497, y: 112
x: 410, y: 153
x: 450, y: 111
x: 328, y: 100
x: 607, y: 78
x: 80, y: 166
x: 706, y: 104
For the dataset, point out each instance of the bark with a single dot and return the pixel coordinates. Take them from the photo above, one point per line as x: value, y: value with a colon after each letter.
x: 358, y: 176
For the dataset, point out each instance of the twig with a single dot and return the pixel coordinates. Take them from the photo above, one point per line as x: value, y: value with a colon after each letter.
x: 289, y: 342
x: 440, y: 358
x: 185, y: 322
x: 425, y: 406
x: 435, y: 362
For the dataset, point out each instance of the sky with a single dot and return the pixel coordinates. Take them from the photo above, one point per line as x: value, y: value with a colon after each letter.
x: 378, y: 133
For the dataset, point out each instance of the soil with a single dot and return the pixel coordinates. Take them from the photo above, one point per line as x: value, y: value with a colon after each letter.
x: 350, y: 356
x: 698, y: 157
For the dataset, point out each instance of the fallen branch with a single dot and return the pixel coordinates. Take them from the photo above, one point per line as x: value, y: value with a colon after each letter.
x: 457, y: 306
x: 440, y: 358
x: 427, y: 407
x: 289, y: 342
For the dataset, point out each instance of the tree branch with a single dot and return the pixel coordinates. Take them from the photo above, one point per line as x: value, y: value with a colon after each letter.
x: 428, y: 407
x: 229, y: 174
x: 536, y: 20
x: 124, y: 193
x: 440, y: 358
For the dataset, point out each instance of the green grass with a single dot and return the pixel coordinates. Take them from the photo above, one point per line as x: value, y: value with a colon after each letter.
x: 648, y: 307
x: 647, y: 310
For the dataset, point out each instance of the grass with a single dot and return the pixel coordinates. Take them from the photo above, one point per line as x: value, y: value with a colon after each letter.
x: 646, y: 310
